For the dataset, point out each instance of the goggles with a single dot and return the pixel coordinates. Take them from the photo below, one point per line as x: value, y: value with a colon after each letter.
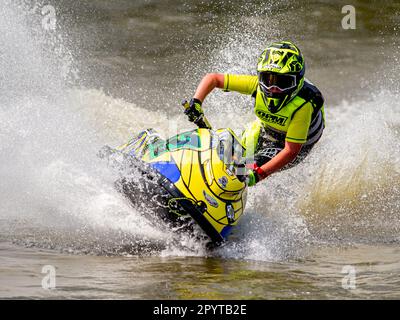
x: 277, y: 82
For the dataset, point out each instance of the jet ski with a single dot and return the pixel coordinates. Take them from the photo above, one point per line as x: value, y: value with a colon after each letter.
x: 195, y: 177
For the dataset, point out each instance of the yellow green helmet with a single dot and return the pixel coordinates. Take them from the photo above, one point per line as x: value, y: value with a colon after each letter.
x: 280, y: 71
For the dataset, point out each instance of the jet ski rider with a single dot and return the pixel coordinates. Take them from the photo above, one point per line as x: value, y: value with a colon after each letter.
x: 289, y: 108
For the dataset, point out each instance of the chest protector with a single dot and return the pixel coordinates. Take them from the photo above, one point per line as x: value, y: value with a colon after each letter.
x: 278, y: 123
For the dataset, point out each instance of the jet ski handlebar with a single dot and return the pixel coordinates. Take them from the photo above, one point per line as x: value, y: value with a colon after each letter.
x: 202, y: 122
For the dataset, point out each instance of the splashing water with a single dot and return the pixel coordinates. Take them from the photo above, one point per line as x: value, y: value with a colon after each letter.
x: 56, y: 193
x: 354, y: 194
x: 53, y: 190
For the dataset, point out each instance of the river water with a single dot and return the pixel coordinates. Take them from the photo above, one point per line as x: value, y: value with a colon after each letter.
x: 102, y: 70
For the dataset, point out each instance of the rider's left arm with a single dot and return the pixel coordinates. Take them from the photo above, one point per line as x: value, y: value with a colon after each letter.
x: 287, y: 155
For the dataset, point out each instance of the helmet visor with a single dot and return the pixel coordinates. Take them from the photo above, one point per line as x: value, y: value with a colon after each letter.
x: 277, y: 82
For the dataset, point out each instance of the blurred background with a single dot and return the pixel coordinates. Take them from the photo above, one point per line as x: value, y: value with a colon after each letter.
x: 127, y: 47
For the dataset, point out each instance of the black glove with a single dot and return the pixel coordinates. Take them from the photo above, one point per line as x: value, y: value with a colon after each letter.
x: 194, y: 112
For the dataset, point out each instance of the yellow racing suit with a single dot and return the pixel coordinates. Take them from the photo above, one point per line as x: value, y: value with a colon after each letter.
x: 301, y: 120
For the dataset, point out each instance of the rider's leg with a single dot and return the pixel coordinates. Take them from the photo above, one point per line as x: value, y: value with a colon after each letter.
x: 250, y: 138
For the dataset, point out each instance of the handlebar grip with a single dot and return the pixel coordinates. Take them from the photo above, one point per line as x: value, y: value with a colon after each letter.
x: 185, y: 104
x: 202, y: 122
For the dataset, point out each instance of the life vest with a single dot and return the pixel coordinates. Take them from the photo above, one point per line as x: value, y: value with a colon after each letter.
x: 277, y: 124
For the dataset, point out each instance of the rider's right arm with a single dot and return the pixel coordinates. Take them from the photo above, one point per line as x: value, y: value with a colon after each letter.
x: 207, y: 84
x: 245, y: 84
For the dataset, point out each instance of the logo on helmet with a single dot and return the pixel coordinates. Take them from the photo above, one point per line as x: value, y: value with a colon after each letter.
x: 276, y: 56
x: 295, y: 66
x: 272, y: 66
